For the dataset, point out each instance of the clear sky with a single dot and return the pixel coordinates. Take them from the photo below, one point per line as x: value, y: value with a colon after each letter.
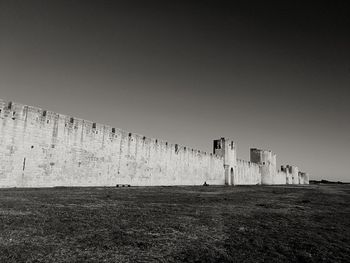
x: 273, y: 76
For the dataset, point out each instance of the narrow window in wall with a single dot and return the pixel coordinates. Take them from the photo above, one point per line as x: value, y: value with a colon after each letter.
x: 24, y: 163
x: 217, y: 145
x: 94, y: 125
x: 176, y: 148
x: 9, y: 106
x: 71, y: 120
x: 44, y: 113
x: 113, y: 130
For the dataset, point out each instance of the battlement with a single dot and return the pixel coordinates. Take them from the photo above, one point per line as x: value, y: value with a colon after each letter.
x: 245, y: 162
x: 21, y: 112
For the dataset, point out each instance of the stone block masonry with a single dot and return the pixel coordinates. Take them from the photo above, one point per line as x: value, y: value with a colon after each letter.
x: 40, y: 148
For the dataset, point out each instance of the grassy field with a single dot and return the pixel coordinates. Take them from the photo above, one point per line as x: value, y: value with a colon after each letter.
x: 176, y: 224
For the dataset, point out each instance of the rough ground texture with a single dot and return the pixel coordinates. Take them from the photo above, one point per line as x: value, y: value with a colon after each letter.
x: 176, y: 224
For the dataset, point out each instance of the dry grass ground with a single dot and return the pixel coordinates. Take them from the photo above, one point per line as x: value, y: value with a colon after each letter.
x: 176, y: 224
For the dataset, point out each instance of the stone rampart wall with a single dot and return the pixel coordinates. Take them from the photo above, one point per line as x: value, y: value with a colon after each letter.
x: 247, y: 173
x: 41, y: 148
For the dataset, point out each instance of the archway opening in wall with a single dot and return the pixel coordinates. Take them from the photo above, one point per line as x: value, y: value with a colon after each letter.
x: 232, y: 176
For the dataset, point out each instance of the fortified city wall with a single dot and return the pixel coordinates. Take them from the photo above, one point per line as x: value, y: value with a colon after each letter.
x: 248, y: 173
x: 40, y: 148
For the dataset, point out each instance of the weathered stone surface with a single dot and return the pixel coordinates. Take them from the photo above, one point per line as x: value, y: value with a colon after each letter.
x: 248, y: 173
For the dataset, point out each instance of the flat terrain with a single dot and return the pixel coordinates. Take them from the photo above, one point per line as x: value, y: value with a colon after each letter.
x: 176, y: 224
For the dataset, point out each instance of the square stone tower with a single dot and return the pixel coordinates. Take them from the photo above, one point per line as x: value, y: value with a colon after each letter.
x: 226, y: 148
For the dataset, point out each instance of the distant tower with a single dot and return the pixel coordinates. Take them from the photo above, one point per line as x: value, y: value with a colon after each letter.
x: 285, y: 170
x: 227, y: 149
x: 306, y: 178
x: 300, y: 178
x: 267, y: 163
x: 295, y: 174
x: 303, y: 178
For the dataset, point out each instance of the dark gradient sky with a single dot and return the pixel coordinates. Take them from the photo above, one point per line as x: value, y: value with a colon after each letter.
x: 273, y: 76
